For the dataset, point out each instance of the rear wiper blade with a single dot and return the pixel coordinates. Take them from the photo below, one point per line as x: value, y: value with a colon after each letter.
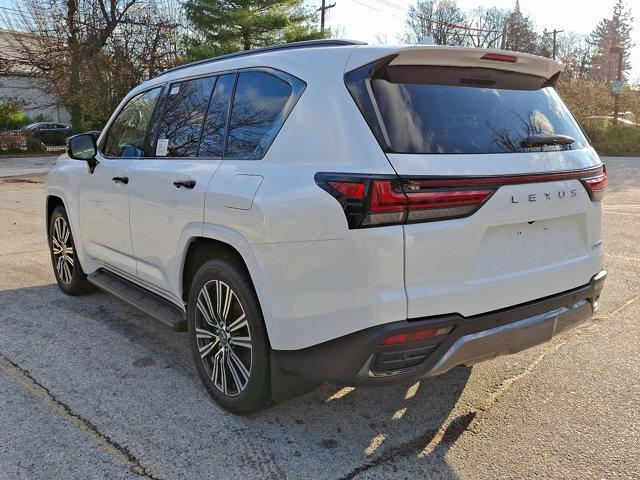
x: 545, y: 140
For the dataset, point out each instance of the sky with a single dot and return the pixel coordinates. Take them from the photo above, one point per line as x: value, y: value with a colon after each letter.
x: 375, y: 20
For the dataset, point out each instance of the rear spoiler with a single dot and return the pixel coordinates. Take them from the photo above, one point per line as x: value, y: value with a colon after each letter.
x: 456, y: 57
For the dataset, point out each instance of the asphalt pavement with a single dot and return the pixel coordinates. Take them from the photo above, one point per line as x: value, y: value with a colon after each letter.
x: 92, y: 389
x: 13, y: 166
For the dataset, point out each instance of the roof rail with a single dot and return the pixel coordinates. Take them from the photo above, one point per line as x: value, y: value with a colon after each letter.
x: 271, y: 48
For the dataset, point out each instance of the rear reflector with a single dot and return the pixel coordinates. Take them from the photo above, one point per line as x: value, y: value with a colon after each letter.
x: 499, y: 57
x: 416, y: 336
x: 376, y: 200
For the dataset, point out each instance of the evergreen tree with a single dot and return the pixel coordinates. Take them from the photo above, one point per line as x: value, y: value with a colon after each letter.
x: 545, y: 45
x: 519, y: 34
x: 225, y: 26
x: 611, y: 32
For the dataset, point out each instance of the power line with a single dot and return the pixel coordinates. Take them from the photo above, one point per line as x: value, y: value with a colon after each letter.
x: 392, y: 5
x: 368, y: 6
x: 377, y: 9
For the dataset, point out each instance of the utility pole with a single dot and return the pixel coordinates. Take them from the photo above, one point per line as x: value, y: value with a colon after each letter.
x: 323, y: 9
x: 555, y: 43
x: 617, y: 85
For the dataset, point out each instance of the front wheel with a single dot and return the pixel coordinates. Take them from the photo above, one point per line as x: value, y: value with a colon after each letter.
x: 66, y: 267
x: 228, y: 337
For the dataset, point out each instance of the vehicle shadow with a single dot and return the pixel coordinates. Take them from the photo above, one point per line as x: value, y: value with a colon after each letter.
x: 134, y: 379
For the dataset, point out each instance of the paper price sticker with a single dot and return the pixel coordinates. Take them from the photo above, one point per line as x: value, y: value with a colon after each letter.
x: 161, y: 147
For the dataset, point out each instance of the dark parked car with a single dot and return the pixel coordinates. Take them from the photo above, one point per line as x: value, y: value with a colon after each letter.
x: 49, y: 133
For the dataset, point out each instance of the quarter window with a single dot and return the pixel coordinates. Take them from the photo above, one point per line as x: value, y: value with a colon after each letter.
x: 258, y: 106
x: 184, y: 112
x: 126, y: 136
x: 215, y: 124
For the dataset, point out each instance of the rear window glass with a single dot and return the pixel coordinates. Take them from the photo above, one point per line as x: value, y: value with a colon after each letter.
x: 257, y: 113
x: 215, y: 124
x: 449, y: 111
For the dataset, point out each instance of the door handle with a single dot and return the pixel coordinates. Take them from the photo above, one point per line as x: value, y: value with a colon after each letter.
x: 184, y: 184
x: 124, y: 180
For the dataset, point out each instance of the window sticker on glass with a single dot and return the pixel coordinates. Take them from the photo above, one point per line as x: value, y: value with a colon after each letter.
x: 175, y: 89
x: 161, y: 147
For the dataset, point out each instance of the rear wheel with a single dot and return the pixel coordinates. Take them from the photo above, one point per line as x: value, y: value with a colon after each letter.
x: 66, y: 267
x: 228, y: 338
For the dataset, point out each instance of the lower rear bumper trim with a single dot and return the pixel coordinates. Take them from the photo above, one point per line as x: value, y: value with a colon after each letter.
x: 349, y: 360
x: 510, y: 338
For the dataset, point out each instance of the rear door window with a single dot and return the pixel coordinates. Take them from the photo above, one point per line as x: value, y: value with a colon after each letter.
x: 180, y: 125
x: 257, y: 114
x: 215, y: 123
x: 431, y: 110
x: 127, y: 134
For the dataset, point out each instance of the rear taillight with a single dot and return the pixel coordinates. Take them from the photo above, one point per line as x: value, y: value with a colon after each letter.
x: 372, y: 200
x: 353, y: 190
x: 455, y: 202
x: 596, y: 185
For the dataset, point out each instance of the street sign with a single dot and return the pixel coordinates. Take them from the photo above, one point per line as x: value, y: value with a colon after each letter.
x: 617, y: 87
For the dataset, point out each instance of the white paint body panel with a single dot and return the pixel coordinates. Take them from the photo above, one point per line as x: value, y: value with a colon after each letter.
x: 315, y: 279
x: 496, y: 258
x: 104, y: 214
x: 160, y: 212
x: 241, y: 190
x: 506, y: 253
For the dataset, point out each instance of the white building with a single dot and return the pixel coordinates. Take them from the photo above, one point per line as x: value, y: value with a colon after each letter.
x: 19, y: 83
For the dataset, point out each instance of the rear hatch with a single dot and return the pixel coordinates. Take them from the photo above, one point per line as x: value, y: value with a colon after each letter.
x: 502, y: 190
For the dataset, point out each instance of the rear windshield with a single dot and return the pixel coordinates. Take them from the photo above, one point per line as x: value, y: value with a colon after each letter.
x: 424, y: 109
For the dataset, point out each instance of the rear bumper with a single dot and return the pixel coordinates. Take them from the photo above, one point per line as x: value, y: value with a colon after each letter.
x: 359, y: 358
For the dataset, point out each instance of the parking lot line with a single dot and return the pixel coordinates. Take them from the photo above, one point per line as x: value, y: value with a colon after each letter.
x: 25, y: 380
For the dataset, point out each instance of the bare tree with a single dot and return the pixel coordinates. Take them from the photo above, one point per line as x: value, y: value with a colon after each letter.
x: 575, y: 52
x: 439, y: 19
x: 485, y: 27
x: 78, y: 47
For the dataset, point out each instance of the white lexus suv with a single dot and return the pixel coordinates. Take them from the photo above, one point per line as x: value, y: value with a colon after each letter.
x: 335, y: 212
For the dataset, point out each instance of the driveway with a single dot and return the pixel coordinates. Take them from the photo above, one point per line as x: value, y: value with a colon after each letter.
x: 92, y: 389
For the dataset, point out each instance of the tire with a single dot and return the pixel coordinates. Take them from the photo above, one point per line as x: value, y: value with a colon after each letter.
x: 228, y: 338
x: 66, y: 267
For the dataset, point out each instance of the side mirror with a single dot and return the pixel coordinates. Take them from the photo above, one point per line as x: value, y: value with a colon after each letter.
x: 83, y: 147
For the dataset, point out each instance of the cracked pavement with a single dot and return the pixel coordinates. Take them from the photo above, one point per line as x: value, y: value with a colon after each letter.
x: 92, y: 389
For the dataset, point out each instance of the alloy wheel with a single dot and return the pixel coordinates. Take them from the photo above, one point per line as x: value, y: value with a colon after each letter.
x: 63, y: 252
x: 223, y: 337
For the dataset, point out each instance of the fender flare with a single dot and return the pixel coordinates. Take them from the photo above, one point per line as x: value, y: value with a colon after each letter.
x: 239, y: 243
x: 88, y: 265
